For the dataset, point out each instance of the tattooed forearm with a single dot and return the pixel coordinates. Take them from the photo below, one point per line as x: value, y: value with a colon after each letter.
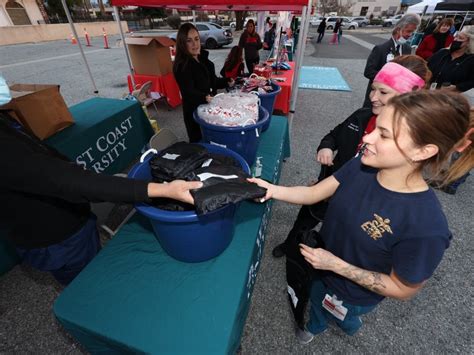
x: 373, y: 281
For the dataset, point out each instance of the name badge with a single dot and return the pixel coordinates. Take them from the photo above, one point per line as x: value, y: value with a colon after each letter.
x: 334, y: 306
x: 433, y: 86
x: 390, y: 57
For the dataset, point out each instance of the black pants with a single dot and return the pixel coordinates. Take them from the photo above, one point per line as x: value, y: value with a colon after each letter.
x: 308, y: 218
x: 320, y: 37
x: 192, y: 127
x: 250, y: 62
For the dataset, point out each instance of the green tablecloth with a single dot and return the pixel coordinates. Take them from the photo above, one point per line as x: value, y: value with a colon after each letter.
x: 133, y: 297
x: 108, y: 134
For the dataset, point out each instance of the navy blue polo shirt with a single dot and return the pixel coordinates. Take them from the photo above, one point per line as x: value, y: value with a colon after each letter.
x: 379, y: 230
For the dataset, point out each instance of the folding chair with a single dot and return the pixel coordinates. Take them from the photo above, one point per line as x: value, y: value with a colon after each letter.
x: 144, y: 96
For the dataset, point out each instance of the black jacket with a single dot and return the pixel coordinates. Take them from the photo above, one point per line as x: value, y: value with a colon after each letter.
x: 196, y: 80
x: 44, y: 197
x: 377, y: 59
x: 459, y: 72
x: 344, y: 139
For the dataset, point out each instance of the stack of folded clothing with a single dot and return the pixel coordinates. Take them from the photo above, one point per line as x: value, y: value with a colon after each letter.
x: 223, y: 179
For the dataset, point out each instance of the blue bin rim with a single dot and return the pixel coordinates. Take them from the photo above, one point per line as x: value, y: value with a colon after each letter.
x: 262, y: 114
x: 276, y: 90
x: 183, y: 216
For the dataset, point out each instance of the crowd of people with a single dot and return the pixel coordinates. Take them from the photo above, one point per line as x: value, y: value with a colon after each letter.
x: 378, y: 159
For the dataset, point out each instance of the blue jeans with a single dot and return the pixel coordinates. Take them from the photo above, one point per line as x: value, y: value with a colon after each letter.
x: 319, y: 317
x: 66, y: 260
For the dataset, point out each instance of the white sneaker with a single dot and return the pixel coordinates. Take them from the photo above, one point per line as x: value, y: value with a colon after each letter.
x: 303, y: 336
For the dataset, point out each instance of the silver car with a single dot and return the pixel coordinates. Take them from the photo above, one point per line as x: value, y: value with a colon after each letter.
x: 212, y: 35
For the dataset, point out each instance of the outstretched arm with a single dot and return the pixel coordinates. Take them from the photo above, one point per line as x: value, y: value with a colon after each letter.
x: 300, y: 195
x: 383, y: 284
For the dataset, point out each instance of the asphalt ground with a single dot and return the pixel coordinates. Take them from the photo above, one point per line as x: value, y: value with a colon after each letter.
x: 437, y: 321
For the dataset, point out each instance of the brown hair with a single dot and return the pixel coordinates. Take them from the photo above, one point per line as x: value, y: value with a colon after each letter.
x: 182, y: 54
x: 445, y: 21
x: 233, y: 58
x: 416, y: 64
x: 441, y: 118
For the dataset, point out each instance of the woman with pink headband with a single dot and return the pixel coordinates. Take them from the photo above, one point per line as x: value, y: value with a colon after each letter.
x: 404, y: 74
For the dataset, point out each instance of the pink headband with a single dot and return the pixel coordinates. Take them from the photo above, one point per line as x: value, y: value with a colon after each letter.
x: 399, y: 78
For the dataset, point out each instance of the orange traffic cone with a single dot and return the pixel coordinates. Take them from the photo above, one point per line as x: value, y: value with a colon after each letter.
x: 88, y: 41
x: 106, y: 42
x: 73, y: 39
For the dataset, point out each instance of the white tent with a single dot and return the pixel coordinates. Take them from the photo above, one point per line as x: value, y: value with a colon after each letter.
x: 420, y: 7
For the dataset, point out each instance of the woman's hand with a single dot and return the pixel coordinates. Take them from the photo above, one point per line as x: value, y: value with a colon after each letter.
x: 325, y: 156
x: 319, y: 258
x: 262, y: 183
x: 177, y: 190
x: 208, y: 98
x: 231, y: 83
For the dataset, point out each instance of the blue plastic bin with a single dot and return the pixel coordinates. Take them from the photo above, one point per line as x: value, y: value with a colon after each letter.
x: 242, y: 140
x: 184, y: 235
x: 268, y: 101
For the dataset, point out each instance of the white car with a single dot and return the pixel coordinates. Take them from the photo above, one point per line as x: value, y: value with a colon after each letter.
x: 389, y: 22
x: 330, y: 21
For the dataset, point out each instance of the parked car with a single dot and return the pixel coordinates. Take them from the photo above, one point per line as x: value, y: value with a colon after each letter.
x: 361, y: 21
x: 330, y: 21
x: 211, y: 34
x: 389, y: 22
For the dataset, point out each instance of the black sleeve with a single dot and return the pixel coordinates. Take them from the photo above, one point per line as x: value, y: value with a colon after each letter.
x: 242, y: 40
x: 222, y: 72
x: 38, y: 173
x: 467, y: 84
x: 259, y: 42
x: 186, y: 84
x: 331, y: 140
x: 373, y: 63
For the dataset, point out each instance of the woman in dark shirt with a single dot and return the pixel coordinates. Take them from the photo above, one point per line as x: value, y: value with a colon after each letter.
x: 250, y: 41
x: 195, y: 75
x: 453, y: 68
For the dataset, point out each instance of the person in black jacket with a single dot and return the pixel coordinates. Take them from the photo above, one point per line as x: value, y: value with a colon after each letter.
x: 251, y: 43
x: 453, y: 68
x: 346, y: 137
x: 385, y: 52
x: 45, y: 201
x: 321, y: 30
x: 195, y: 75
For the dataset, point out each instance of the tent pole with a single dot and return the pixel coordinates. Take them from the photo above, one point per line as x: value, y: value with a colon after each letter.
x: 305, y: 15
x: 463, y: 21
x: 117, y: 18
x: 73, y: 29
x: 194, y: 17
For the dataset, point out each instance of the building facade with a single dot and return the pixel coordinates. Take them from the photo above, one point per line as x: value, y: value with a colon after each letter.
x: 375, y: 7
x: 20, y: 12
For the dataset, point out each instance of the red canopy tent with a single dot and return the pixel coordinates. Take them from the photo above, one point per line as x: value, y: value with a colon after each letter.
x: 297, y: 6
x: 300, y: 6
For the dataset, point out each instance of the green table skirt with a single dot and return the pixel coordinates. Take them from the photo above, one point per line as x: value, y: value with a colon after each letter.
x: 133, y: 297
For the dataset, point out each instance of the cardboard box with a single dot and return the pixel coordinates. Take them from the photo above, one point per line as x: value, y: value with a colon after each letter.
x: 39, y: 108
x: 150, y: 55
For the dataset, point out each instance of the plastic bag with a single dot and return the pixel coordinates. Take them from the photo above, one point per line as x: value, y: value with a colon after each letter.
x: 231, y: 109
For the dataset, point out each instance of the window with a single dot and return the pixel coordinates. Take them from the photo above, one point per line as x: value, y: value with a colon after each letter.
x: 363, y: 11
x: 17, y: 13
x: 202, y: 27
x: 215, y: 25
x: 377, y: 8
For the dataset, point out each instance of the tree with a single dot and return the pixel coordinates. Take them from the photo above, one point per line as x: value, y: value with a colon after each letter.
x: 54, y: 8
x: 240, y: 19
x: 327, y: 6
